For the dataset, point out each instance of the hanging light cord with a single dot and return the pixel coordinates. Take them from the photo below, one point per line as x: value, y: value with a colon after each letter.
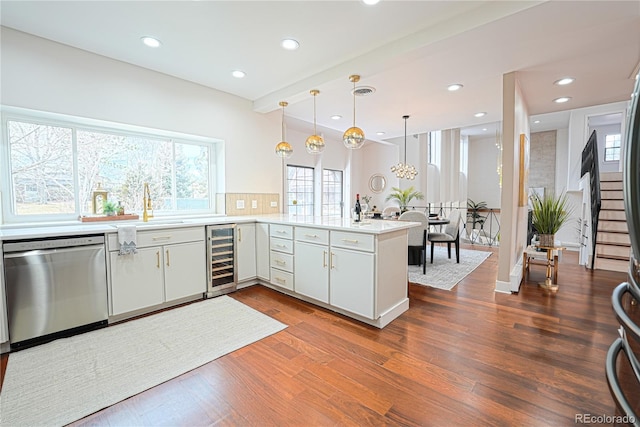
x: 405, y: 138
x: 354, y: 103
x: 283, y: 123
x: 314, y: 115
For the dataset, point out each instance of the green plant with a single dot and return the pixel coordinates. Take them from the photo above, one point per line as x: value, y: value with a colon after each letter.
x: 403, y: 197
x: 472, y: 212
x: 109, y: 208
x: 549, y: 213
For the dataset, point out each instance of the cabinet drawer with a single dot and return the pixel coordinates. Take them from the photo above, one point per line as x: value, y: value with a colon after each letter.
x: 282, y: 261
x: 282, y: 278
x: 359, y: 241
x: 282, y: 231
x: 312, y: 235
x: 282, y: 245
x: 161, y: 237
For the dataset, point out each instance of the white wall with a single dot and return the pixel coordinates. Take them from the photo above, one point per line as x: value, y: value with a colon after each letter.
x: 42, y: 75
x: 376, y: 158
x: 483, y: 180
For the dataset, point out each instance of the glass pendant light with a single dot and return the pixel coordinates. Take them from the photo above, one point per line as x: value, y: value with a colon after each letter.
x: 315, y: 143
x: 405, y: 170
x: 283, y: 149
x: 353, y: 137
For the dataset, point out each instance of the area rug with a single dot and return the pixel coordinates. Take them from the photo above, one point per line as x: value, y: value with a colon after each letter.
x: 445, y: 273
x: 68, y: 379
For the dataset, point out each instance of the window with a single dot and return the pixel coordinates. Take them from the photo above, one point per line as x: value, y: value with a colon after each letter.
x: 54, y: 167
x: 332, y: 193
x: 612, y: 147
x: 300, y: 190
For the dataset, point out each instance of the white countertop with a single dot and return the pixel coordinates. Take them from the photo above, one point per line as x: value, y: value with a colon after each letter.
x: 75, y: 228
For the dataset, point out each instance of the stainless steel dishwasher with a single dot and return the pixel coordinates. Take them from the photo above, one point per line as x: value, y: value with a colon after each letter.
x: 55, y: 287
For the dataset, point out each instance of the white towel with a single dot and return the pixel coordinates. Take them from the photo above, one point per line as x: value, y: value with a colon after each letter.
x: 127, y: 239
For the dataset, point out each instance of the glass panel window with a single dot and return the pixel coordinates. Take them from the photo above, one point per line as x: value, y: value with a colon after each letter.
x: 612, y: 148
x: 332, y: 193
x: 41, y: 158
x: 300, y: 190
x: 54, y: 168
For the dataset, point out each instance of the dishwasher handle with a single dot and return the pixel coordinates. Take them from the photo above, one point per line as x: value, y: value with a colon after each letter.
x: 40, y: 252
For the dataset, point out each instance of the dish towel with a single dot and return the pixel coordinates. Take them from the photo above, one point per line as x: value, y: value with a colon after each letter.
x: 127, y: 240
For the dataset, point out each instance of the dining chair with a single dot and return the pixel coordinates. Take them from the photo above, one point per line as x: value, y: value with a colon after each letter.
x: 390, y: 211
x: 418, y: 235
x: 451, y: 234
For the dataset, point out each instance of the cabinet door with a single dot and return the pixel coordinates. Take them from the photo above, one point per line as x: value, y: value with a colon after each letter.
x: 136, y: 280
x: 262, y: 251
x: 351, y: 281
x: 184, y: 270
x: 312, y: 271
x: 246, y: 247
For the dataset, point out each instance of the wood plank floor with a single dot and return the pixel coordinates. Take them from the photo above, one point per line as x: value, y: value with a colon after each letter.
x: 463, y: 357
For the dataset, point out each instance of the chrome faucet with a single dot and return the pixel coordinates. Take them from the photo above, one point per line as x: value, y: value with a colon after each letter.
x: 147, y: 209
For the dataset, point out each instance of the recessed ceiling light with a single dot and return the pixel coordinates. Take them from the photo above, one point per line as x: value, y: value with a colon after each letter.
x: 150, y: 41
x: 370, y: 2
x: 238, y: 74
x: 564, y: 81
x: 480, y: 114
x: 484, y: 129
x: 454, y: 87
x: 379, y: 133
x: 562, y: 99
x: 336, y: 117
x: 536, y: 121
x: 290, y: 44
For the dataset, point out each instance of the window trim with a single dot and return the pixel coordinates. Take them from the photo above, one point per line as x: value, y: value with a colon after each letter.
x: 342, y: 202
x: 616, y: 147
x: 74, y: 123
x: 286, y: 180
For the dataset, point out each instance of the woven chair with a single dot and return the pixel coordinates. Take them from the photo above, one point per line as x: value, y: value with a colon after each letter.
x: 418, y: 235
x: 450, y: 235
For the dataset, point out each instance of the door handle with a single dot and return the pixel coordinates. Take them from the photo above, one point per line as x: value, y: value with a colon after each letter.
x: 167, y: 253
x: 239, y: 235
x: 331, y: 255
x: 157, y: 259
x: 324, y: 258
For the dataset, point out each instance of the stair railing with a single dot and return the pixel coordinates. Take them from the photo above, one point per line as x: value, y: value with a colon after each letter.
x: 590, y: 165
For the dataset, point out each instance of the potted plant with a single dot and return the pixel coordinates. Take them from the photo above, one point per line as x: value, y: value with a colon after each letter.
x: 473, y: 215
x: 548, y: 214
x: 109, y: 208
x: 404, y: 196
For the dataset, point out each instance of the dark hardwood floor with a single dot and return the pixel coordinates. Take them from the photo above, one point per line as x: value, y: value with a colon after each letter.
x: 468, y: 356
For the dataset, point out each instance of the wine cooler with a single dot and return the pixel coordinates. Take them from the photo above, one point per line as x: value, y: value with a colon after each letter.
x: 221, y: 250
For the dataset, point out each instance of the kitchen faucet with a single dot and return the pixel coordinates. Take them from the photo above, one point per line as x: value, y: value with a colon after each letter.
x: 146, y: 204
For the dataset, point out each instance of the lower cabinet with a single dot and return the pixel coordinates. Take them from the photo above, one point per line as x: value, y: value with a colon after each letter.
x: 312, y: 270
x: 157, y: 274
x: 352, y: 282
x: 246, y: 249
x: 262, y: 252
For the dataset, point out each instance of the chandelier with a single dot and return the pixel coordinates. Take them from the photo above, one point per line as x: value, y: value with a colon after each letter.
x: 283, y: 149
x: 353, y: 137
x: 315, y: 143
x: 405, y: 170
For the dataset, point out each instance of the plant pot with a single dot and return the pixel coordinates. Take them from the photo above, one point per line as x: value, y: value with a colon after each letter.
x: 547, y: 240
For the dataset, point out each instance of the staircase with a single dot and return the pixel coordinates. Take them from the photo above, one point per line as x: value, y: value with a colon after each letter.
x: 613, y: 246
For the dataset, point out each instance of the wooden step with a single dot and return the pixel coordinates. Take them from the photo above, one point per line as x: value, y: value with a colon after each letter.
x: 615, y: 215
x: 613, y: 251
x: 612, y: 204
x: 610, y: 185
x: 611, y: 176
x: 611, y: 265
x: 611, y: 195
x: 615, y: 226
x: 608, y: 237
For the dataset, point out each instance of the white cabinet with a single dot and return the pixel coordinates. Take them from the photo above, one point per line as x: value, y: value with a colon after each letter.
x: 170, y: 265
x: 246, y: 250
x: 281, y: 256
x: 4, y: 325
x: 262, y: 251
x: 352, y: 281
x: 312, y: 270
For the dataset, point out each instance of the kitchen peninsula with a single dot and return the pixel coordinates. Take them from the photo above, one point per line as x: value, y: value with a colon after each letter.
x: 355, y: 269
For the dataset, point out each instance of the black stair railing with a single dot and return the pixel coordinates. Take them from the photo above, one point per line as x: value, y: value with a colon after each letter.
x: 590, y: 164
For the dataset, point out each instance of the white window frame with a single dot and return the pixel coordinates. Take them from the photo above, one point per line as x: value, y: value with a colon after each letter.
x: 216, y: 158
x: 618, y: 147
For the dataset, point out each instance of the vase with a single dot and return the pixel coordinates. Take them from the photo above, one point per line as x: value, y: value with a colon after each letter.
x: 547, y: 240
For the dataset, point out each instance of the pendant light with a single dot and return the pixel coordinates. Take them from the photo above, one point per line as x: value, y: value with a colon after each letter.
x: 284, y: 149
x: 353, y: 137
x: 405, y: 170
x: 315, y: 143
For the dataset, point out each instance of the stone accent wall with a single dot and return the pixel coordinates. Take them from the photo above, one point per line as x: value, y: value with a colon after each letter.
x: 542, y: 160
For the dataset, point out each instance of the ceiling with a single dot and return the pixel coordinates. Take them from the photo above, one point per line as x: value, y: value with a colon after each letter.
x: 409, y: 51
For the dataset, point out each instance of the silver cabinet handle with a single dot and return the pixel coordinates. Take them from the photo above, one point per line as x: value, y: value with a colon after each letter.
x: 324, y: 258
x: 279, y: 245
x: 281, y: 231
x: 315, y: 236
x: 350, y: 240
x: 280, y: 279
x: 167, y: 253
x: 331, y: 255
x: 279, y: 262
x: 161, y: 238
x: 239, y: 235
x: 157, y: 259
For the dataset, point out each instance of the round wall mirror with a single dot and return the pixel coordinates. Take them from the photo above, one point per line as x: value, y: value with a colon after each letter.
x: 377, y: 183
